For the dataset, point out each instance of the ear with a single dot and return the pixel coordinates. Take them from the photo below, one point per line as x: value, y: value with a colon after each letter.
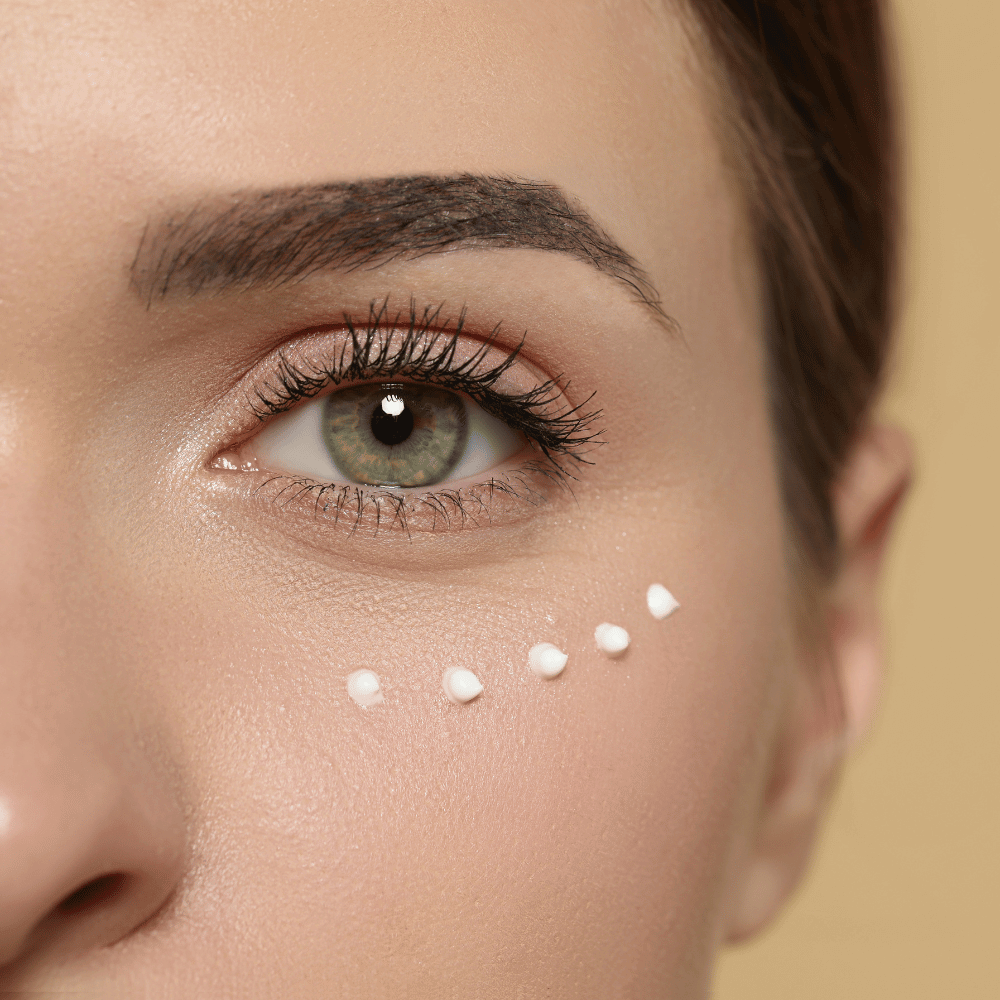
x: 836, y: 687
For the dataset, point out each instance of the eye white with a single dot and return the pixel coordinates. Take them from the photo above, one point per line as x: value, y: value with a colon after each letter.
x: 293, y: 442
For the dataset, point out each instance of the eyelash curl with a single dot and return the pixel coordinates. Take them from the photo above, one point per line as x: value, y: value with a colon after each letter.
x: 422, y: 348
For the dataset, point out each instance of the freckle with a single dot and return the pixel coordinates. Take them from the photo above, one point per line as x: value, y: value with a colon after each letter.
x: 660, y: 601
x: 461, y: 685
x: 611, y: 639
x: 364, y: 687
x: 546, y: 660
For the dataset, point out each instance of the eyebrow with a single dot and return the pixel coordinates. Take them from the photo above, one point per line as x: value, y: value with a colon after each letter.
x: 261, y: 239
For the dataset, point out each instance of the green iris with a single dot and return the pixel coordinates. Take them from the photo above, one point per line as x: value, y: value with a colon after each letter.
x: 395, y: 435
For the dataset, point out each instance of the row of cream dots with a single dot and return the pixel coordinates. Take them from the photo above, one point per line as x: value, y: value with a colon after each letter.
x: 545, y: 660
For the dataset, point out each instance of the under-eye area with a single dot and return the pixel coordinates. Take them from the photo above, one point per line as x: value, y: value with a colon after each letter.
x: 410, y: 422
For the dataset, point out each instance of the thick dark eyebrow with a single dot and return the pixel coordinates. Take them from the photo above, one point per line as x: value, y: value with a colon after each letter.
x: 255, y: 239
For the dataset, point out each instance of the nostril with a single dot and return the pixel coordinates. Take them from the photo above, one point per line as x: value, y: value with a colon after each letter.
x: 93, y: 848
x: 92, y: 894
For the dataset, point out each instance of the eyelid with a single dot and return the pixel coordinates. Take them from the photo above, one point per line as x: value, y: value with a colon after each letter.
x: 501, y: 378
x: 328, y: 357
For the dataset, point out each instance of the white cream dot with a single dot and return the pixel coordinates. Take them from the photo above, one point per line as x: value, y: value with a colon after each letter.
x: 461, y: 685
x: 364, y: 687
x: 546, y: 660
x: 611, y: 639
x: 660, y: 601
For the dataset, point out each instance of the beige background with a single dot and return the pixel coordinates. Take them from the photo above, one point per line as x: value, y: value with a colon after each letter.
x: 904, y: 897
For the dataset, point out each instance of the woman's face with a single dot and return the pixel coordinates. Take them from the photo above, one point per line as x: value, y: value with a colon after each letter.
x: 183, y: 604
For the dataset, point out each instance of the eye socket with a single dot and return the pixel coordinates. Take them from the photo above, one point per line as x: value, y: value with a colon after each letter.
x: 388, y: 435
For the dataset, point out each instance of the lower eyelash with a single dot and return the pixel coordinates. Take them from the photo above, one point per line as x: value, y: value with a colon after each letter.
x: 470, y: 506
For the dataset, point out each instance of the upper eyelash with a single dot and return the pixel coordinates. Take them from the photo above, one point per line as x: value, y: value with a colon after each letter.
x: 384, y: 348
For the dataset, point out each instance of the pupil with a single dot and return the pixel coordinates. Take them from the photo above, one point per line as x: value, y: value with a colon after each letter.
x: 392, y: 428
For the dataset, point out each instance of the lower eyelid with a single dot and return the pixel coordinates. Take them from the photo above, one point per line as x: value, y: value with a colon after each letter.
x: 506, y: 497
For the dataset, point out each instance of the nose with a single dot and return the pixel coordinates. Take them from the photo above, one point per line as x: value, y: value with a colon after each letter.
x: 92, y: 831
x: 91, y: 844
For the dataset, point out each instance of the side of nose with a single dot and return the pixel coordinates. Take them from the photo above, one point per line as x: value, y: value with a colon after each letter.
x: 92, y: 830
x: 91, y: 846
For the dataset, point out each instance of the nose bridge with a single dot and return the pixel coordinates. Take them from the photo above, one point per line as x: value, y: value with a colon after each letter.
x: 34, y: 558
x: 52, y: 611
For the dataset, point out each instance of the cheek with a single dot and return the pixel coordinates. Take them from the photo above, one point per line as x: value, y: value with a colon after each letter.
x: 590, y: 814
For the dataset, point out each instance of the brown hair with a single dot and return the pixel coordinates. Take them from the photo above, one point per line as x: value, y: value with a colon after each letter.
x: 808, y: 94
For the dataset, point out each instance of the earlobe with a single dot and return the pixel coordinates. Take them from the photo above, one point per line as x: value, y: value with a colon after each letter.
x: 803, y: 768
x: 836, y: 691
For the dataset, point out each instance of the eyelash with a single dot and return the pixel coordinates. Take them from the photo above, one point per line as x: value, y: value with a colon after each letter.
x: 422, y: 349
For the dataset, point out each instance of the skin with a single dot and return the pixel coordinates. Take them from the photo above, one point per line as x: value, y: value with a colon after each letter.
x: 175, y: 648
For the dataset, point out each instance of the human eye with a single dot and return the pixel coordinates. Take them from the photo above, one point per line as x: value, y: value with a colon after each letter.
x: 416, y: 424
x: 388, y: 435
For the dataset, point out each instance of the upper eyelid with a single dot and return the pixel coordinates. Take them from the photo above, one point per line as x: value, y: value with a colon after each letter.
x: 568, y: 429
x: 414, y: 350
x: 414, y: 355
x: 429, y: 347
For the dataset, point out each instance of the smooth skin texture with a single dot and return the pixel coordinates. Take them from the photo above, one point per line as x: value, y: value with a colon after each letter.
x: 176, y: 646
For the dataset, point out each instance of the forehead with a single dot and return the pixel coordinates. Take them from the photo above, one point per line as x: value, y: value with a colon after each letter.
x: 117, y: 105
